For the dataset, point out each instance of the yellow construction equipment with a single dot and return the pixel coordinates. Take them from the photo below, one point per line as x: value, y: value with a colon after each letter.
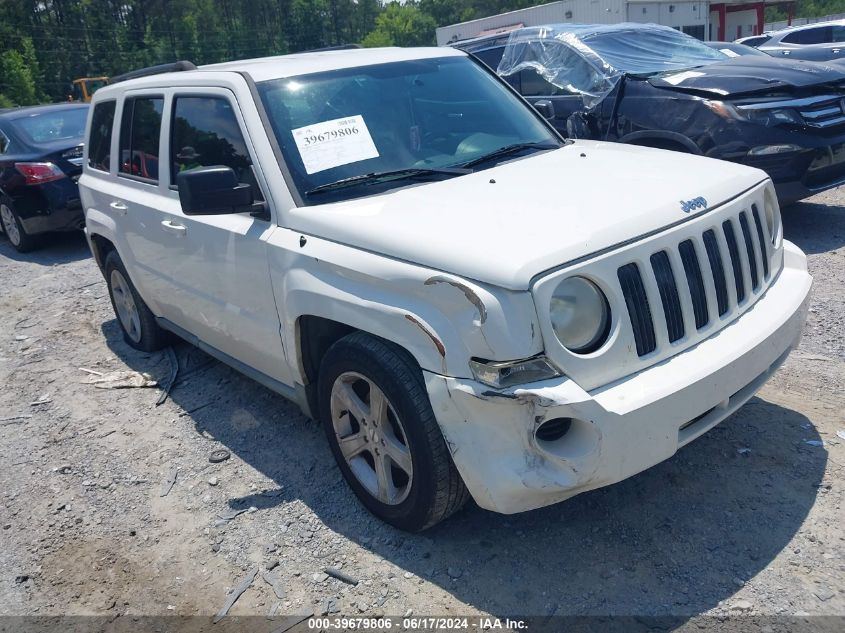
x: 84, y: 87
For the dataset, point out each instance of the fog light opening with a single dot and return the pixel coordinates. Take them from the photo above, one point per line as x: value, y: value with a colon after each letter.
x: 554, y: 429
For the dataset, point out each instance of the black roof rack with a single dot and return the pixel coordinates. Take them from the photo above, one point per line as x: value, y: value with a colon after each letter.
x: 154, y: 70
x: 340, y: 47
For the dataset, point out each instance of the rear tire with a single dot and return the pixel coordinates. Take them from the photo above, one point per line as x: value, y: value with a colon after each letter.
x: 14, y: 230
x: 399, y: 442
x: 139, y: 326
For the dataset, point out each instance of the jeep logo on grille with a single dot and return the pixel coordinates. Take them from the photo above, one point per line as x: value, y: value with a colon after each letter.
x: 692, y: 205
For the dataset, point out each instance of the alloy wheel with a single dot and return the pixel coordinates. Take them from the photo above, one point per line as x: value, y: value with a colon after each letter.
x: 124, y: 303
x: 10, y: 226
x: 371, y: 438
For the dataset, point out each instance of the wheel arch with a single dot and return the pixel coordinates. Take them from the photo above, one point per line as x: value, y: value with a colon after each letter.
x: 662, y: 139
x: 101, y: 246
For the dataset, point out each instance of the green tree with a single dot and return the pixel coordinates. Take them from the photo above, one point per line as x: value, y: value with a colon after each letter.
x: 18, y: 83
x: 402, y: 25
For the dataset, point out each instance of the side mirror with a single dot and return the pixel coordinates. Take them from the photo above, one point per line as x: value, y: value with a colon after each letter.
x: 213, y: 191
x: 546, y: 109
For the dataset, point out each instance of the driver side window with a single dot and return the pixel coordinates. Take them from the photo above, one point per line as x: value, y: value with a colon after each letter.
x: 205, y: 133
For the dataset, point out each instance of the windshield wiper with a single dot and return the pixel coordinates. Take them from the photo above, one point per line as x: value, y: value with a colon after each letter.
x: 508, y: 149
x: 385, y: 176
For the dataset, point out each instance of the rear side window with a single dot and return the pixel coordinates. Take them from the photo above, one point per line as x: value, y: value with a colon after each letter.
x: 756, y: 41
x: 820, y: 35
x: 99, y: 141
x: 205, y: 133
x: 4, y: 142
x: 491, y: 57
x: 532, y: 84
x: 139, y: 135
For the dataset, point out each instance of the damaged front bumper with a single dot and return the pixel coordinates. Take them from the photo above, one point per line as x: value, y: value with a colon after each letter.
x: 622, y: 428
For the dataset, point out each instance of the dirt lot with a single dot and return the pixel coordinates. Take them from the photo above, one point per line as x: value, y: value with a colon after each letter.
x: 746, y: 520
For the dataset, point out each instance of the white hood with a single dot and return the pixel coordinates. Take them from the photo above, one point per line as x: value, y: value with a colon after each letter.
x: 542, y: 211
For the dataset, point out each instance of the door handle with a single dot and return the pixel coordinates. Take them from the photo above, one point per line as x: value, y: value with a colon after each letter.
x: 176, y: 229
x: 118, y: 206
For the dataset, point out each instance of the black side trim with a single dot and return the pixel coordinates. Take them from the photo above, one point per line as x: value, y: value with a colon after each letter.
x: 295, y: 394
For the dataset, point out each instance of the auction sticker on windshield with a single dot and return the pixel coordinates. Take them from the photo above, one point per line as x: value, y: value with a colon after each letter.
x: 333, y: 143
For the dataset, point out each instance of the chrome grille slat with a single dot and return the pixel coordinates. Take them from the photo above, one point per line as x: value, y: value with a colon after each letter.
x: 827, y: 122
x: 683, y: 289
x: 819, y: 114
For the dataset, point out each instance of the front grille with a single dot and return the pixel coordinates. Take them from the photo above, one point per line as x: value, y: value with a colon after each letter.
x: 711, y: 275
x: 823, y: 112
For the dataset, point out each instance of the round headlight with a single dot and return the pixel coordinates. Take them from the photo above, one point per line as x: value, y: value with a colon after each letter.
x: 771, y: 219
x: 580, y: 315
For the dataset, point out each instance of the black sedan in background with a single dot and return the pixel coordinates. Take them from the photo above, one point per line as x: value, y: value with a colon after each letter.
x: 651, y: 85
x: 40, y: 163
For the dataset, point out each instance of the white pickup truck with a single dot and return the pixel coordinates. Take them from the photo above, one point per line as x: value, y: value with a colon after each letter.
x: 470, y: 304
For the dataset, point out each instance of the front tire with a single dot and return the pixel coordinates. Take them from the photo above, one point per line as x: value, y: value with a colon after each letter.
x: 14, y: 230
x: 382, y: 431
x: 137, y: 322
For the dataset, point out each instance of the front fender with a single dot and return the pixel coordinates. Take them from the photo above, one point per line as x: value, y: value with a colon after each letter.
x: 441, y: 319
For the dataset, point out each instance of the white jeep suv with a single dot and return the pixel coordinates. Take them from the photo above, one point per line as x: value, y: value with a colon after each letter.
x: 471, y: 305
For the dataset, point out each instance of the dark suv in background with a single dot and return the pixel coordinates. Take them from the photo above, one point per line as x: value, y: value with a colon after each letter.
x: 40, y: 163
x: 652, y: 85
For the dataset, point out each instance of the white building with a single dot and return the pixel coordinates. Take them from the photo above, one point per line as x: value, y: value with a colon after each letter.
x: 706, y: 20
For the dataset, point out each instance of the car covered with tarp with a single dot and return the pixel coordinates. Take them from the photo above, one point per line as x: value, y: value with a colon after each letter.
x: 652, y: 85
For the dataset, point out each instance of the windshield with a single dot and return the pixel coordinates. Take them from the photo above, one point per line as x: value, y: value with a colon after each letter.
x: 412, y: 116
x: 54, y: 125
x: 589, y: 59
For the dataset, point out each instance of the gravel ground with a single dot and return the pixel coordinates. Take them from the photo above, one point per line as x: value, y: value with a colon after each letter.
x: 746, y: 520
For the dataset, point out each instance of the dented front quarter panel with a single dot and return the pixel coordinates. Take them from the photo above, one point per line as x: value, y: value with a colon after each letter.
x: 491, y: 437
x: 620, y: 428
x: 443, y: 320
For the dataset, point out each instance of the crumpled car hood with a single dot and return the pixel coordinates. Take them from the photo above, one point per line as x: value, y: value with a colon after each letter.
x: 509, y: 223
x: 750, y: 74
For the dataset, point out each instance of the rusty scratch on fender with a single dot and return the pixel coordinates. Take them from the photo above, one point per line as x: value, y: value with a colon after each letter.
x: 437, y: 342
x: 469, y: 293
